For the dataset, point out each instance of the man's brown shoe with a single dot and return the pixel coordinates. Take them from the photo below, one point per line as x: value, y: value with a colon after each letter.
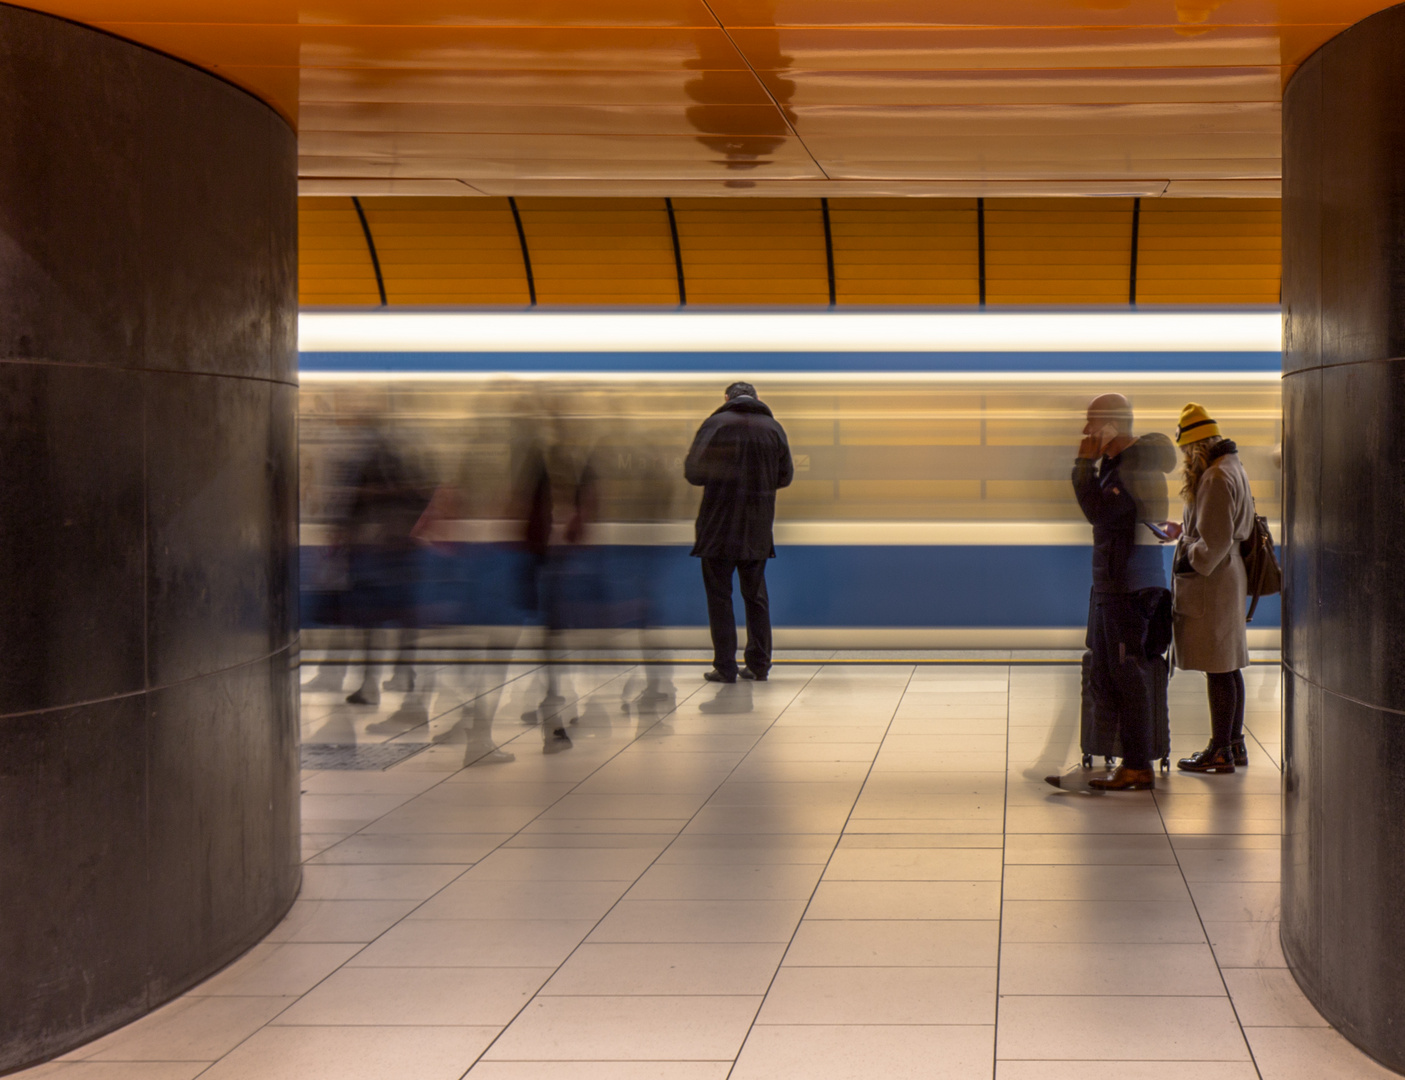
x: 1125, y: 779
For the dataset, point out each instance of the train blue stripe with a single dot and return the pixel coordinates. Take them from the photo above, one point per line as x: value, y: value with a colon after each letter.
x: 799, y: 362
x: 811, y: 586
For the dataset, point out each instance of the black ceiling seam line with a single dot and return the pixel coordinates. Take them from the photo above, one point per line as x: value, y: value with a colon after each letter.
x: 1136, y: 241
x: 677, y: 253
x: 980, y: 249
x: 828, y: 248
x: 526, y: 253
x: 371, y: 247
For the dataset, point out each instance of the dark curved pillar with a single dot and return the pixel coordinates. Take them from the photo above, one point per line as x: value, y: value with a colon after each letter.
x: 148, y: 512
x: 1344, y: 523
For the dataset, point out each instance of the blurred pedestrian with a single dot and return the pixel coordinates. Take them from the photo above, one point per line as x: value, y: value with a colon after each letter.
x: 739, y: 457
x: 1129, y: 588
x: 1211, y: 583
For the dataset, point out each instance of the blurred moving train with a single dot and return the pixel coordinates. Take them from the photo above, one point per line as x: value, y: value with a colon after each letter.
x: 931, y: 507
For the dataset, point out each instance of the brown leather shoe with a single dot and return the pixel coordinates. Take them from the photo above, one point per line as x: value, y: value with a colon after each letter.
x: 1125, y: 779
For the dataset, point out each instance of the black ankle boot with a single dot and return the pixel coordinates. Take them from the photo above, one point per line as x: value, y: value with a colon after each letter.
x: 1209, y: 760
x: 1241, y: 754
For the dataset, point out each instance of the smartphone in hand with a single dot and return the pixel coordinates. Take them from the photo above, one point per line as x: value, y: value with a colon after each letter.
x: 1157, y: 531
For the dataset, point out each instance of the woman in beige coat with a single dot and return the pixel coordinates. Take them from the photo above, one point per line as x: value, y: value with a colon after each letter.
x: 1211, y: 584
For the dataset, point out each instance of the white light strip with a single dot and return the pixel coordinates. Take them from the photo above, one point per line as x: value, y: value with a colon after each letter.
x: 588, y: 332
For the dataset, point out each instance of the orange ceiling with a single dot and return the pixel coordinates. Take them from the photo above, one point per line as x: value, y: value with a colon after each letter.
x: 787, y: 97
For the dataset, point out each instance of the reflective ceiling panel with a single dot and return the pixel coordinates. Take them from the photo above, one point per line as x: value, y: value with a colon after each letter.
x: 752, y: 97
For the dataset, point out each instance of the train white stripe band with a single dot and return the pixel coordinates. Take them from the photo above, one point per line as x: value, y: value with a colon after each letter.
x: 824, y: 331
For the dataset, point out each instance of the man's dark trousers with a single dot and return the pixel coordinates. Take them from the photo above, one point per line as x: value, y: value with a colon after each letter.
x: 717, y: 579
x: 1122, y: 676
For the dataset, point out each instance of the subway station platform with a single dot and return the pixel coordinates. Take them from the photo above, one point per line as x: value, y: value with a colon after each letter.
x: 852, y: 870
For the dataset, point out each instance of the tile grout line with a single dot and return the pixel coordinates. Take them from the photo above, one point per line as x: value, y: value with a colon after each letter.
x: 652, y: 863
x: 1004, y: 840
x: 839, y: 838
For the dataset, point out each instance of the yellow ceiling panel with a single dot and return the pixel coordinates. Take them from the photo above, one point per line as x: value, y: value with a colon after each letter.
x: 334, y: 263
x: 1046, y: 251
x: 758, y: 252
x: 601, y: 251
x: 905, y: 251
x: 1210, y: 251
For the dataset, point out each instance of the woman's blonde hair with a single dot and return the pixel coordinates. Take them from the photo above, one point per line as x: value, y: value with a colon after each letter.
x: 1197, y: 460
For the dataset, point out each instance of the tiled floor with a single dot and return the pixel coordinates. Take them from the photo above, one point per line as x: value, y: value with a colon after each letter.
x: 854, y: 870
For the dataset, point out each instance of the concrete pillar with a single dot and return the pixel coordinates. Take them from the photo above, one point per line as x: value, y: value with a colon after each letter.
x: 1343, y: 925
x: 148, y: 523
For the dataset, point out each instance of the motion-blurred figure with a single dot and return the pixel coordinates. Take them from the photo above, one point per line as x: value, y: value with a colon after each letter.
x: 384, y: 505
x: 1116, y: 479
x: 652, y: 498
x: 740, y: 457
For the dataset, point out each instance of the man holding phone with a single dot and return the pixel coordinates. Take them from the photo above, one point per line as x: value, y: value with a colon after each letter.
x: 1120, y: 485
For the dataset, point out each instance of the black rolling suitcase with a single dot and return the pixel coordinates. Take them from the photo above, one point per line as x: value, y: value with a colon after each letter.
x: 1099, y: 737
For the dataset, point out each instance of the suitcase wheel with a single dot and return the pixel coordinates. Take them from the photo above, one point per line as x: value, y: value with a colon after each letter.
x: 1087, y: 761
x: 1166, y: 764
x: 1109, y: 762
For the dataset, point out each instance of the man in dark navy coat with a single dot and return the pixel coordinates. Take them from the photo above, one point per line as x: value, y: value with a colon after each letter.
x: 739, y: 458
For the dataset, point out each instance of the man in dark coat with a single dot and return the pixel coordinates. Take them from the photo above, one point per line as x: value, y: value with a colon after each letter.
x: 739, y: 458
x: 1119, y: 481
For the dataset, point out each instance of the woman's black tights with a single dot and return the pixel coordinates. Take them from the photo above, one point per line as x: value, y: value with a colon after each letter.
x: 1226, y: 706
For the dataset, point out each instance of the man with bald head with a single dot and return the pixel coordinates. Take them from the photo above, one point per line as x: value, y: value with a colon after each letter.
x: 1120, y: 484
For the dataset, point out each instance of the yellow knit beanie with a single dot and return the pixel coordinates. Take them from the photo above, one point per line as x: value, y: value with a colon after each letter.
x: 1195, y: 425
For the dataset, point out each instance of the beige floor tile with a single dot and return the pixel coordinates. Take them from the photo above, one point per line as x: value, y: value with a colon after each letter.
x: 1115, y: 812
x: 474, y: 898
x: 600, y: 1070
x: 1311, y: 1053
x: 187, y: 1029
x: 1110, y: 970
x: 354, y: 1053
x: 658, y: 970
x: 627, y: 1029
x: 851, y: 841
x: 880, y: 995
x: 1270, y: 997
x: 1236, y: 901
x: 914, y: 864
x: 1230, y: 865
x: 738, y: 881
x: 376, y: 882
x: 544, y: 864
x: 1116, y: 849
x: 340, y: 920
x: 866, y: 1052
x: 453, y: 848
x: 1140, y: 1028
x: 701, y: 921
x: 744, y: 820
x: 475, y: 943
x: 270, y: 970
x: 906, y: 900
x: 1246, y: 944
x: 1094, y: 882
x: 362, y: 808
x: 350, y: 782
x: 1109, y: 921
x: 1126, y: 1070
x: 625, y: 806
x: 453, y: 997
x: 417, y: 818
x: 115, y: 1070
x: 721, y: 849
x: 895, y: 943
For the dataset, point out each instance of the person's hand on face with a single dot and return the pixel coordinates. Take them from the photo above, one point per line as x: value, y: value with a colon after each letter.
x: 1095, y: 437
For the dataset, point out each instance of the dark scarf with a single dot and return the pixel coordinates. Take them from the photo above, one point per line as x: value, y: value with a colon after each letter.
x: 1220, y: 450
